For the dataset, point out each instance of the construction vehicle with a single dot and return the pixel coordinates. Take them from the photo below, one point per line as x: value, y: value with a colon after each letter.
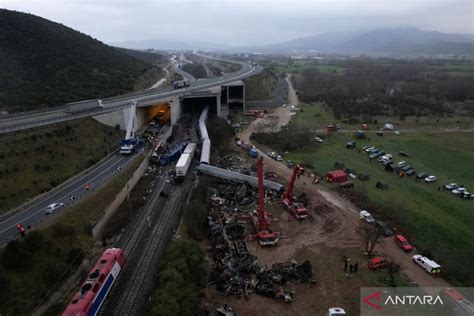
x: 130, y: 142
x: 265, y: 236
x: 296, y: 209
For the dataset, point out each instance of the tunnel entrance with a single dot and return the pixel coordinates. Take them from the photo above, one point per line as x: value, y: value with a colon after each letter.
x: 196, y: 105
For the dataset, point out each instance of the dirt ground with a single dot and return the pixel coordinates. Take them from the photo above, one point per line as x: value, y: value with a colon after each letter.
x: 324, y: 239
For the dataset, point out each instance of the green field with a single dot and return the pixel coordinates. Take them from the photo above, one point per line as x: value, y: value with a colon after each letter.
x: 318, y: 116
x: 36, y: 160
x: 437, y: 221
x: 299, y: 67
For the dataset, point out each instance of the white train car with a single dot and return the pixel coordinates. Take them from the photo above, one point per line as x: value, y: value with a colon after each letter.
x: 205, y: 151
x: 203, y: 131
x: 203, y: 117
x: 182, y: 166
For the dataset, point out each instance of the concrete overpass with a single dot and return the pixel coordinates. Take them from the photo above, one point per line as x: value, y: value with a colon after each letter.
x: 224, y: 89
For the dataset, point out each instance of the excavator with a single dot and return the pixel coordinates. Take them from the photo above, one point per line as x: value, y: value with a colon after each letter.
x: 265, y: 235
x: 296, y: 209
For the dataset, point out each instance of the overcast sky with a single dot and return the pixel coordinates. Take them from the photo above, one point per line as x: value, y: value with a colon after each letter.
x: 242, y: 22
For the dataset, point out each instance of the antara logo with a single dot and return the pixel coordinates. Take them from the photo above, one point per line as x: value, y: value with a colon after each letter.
x: 372, y: 299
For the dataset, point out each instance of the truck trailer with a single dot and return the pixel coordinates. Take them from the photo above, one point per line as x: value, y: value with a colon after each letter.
x: 83, y: 106
x: 182, y: 166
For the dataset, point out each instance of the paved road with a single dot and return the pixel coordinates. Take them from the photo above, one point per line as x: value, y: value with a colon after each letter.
x: 34, y: 213
x: 144, y: 98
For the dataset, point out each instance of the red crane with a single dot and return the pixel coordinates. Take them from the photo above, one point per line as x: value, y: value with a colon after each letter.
x: 296, y: 209
x: 265, y: 235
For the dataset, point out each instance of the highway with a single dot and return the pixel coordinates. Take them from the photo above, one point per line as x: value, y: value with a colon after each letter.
x: 33, y: 213
x: 12, y: 123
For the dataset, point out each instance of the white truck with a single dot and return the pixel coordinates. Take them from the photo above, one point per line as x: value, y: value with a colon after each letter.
x: 184, y: 162
x: 428, y: 265
x: 336, y: 311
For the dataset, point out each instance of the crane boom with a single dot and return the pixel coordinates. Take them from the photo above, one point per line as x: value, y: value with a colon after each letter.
x: 262, y: 217
x: 295, y: 208
x: 289, y: 191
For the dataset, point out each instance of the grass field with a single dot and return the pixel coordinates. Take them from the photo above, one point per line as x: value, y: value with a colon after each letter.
x: 318, y: 116
x: 438, y: 221
x: 55, y: 251
x: 299, y: 67
x: 36, y: 160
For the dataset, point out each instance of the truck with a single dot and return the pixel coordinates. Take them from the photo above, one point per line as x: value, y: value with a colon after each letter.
x: 184, y: 162
x: 180, y: 84
x: 336, y: 311
x: 83, y: 106
x: 428, y: 265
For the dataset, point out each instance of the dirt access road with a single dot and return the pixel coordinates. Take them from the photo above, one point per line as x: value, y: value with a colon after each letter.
x: 336, y: 217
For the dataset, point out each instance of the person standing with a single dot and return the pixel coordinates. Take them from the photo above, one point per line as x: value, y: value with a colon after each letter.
x: 356, y: 266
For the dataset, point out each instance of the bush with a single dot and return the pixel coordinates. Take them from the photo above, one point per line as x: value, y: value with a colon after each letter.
x: 61, y: 231
x: 288, y: 139
x: 195, y: 215
x: 182, y: 274
x: 16, y: 257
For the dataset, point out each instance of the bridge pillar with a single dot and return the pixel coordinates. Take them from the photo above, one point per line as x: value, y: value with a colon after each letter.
x: 176, y: 110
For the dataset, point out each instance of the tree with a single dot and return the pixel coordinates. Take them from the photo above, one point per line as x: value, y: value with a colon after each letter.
x: 369, y: 235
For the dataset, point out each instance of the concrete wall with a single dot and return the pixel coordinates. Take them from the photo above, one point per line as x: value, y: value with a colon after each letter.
x: 121, y: 118
x: 120, y: 198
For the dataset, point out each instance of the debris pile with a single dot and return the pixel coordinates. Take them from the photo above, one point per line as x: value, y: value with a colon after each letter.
x: 235, y: 270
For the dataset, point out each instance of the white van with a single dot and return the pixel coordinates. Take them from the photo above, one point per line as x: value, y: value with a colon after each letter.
x: 428, y: 265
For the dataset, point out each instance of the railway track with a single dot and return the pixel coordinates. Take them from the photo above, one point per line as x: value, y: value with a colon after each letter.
x: 144, y: 246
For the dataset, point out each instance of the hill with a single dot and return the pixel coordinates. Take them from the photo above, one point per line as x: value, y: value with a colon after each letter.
x: 43, y: 64
x: 392, y: 42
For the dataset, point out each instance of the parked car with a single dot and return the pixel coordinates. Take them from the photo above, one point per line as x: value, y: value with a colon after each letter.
x: 290, y: 164
x: 278, y: 158
x: 403, y: 243
x: 366, y: 216
x: 351, y: 144
x: 406, y: 168
x: 467, y: 195
x: 404, y: 154
x: 402, y: 163
x: 430, y: 179
x: 421, y: 175
x: 368, y: 148
x: 347, y: 185
x: 451, y: 186
x: 410, y: 172
x: 51, y: 208
x: 378, y: 263
x: 459, y: 191
x: 271, y: 154
x: 318, y: 140
x: 389, y: 156
x: 384, y: 228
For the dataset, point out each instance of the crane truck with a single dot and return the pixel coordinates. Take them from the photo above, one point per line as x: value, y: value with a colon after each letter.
x: 130, y: 142
x: 265, y: 235
x: 296, y: 209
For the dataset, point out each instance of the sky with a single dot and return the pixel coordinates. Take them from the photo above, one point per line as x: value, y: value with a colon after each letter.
x: 245, y: 22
